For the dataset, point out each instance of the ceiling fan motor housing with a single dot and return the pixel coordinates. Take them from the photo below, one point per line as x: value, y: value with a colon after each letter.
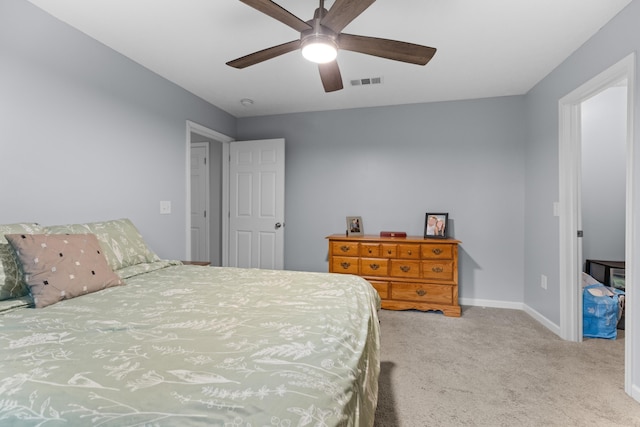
x: 318, y: 33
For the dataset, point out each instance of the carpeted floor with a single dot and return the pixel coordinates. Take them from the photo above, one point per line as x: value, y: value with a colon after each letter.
x: 496, y: 367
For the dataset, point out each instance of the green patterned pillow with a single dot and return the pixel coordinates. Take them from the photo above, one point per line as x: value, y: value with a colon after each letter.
x: 121, y: 241
x: 11, y: 281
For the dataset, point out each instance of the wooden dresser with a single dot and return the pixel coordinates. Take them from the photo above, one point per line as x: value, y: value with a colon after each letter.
x: 408, y: 272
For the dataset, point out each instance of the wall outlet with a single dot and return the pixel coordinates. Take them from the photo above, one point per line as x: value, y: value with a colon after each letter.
x: 543, y: 281
x: 165, y: 207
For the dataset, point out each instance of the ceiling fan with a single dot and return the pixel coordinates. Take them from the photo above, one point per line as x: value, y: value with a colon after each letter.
x: 322, y: 36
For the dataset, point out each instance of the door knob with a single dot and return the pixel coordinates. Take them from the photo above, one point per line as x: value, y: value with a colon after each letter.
x: 278, y: 225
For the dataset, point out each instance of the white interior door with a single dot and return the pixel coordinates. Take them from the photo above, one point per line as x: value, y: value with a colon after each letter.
x: 256, y: 204
x: 199, y: 201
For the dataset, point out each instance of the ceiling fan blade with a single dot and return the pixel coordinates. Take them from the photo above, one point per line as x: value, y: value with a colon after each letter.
x: 384, y: 48
x: 263, y: 55
x: 343, y: 12
x: 330, y: 76
x: 279, y: 13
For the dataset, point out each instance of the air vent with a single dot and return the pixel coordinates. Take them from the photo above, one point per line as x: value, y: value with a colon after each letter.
x: 367, y: 81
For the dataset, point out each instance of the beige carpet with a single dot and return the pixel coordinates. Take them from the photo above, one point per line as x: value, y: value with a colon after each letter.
x: 496, y: 367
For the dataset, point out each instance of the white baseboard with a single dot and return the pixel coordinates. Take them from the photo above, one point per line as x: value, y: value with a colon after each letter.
x: 635, y: 392
x: 513, y: 306
x: 491, y: 303
x: 543, y: 320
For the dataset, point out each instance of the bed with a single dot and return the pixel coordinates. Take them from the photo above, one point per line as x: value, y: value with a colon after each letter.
x: 185, y: 345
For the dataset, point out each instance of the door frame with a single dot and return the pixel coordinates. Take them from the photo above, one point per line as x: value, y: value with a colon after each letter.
x: 225, y: 140
x: 569, y: 174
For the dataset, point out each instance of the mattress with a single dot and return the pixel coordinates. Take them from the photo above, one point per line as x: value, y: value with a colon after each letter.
x: 186, y: 345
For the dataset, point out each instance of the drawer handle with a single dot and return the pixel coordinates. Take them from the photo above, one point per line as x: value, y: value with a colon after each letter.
x: 389, y: 251
x: 436, y: 251
x: 346, y: 265
x: 409, y: 252
x: 437, y: 269
x: 344, y: 248
x: 405, y: 268
x: 421, y: 292
x: 374, y: 266
x: 370, y: 251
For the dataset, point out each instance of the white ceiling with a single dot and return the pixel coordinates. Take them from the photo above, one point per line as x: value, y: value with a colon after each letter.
x: 485, y: 48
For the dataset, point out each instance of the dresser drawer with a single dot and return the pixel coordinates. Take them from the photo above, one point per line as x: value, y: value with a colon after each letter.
x: 370, y: 249
x: 388, y: 251
x: 345, y: 248
x: 381, y: 287
x: 437, y: 251
x: 405, y: 268
x: 437, y: 270
x: 421, y: 292
x: 409, y: 251
x: 374, y: 267
x: 348, y: 265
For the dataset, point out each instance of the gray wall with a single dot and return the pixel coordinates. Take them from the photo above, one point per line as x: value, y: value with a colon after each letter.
x: 392, y: 165
x: 88, y: 135
x: 604, y: 148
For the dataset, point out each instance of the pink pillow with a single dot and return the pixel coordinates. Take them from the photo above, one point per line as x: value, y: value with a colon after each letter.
x: 62, y: 266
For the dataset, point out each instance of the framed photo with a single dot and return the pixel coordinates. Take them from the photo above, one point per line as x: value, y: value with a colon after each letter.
x: 435, y: 225
x: 354, y: 226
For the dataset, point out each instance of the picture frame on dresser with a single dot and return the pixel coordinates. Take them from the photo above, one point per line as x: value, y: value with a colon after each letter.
x: 436, y: 225
x: 354, y: 226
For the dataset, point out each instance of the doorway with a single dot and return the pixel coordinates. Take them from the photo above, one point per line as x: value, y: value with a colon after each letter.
x: 570, y: 139
x: 201, y: 211
x: 268, y: 248
x: 603, y: 174
x: 217, y: 223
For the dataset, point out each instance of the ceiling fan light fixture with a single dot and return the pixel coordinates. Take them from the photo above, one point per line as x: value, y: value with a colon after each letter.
x: 322, y: 36
x: 319, y: 50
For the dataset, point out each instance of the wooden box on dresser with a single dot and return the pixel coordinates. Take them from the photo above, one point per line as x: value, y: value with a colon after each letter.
x: 408, y: 272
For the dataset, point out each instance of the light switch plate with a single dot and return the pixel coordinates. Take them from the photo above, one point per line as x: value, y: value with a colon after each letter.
x: 165, y: 207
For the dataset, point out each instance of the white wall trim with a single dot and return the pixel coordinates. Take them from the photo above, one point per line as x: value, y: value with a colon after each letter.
x: 569, y: 155
x: 491, y: 303
x: 543, y: 320
x: 635, y: 392
x: 632, y: 340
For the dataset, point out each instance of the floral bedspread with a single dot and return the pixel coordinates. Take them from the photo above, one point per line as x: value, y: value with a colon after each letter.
x: 196, y: 346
